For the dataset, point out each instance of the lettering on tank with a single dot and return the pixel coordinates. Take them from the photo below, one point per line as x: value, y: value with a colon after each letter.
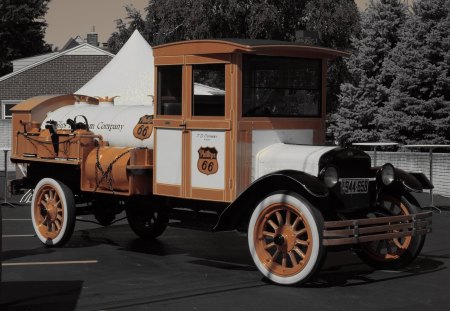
x: 109, y: 126
x: 99, y: 126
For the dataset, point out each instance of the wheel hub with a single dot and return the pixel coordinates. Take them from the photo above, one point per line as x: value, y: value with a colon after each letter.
x: 285, y: 238
x: 279, y: 240
x: 43, y: 212
x: 51, y: 211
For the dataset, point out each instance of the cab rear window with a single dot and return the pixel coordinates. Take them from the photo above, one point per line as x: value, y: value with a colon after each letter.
x: 281, y: 87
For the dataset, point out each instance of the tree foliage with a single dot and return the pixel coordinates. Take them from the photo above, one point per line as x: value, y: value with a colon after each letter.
x: 366, y: 94
x: 401, y: 76
x: 175, y: 20
x: 336, y: 22
x: 125, y: 29
x: 419, y: 67
x: 22, y: 30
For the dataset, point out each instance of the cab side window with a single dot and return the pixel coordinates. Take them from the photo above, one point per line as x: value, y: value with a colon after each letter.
x: 169, y: 90
x: 208, y: 94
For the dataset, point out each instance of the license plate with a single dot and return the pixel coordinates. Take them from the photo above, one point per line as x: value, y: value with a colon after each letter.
x: 354, y: 185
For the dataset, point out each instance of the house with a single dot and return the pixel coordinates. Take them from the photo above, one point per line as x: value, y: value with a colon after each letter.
x: 61, y: 72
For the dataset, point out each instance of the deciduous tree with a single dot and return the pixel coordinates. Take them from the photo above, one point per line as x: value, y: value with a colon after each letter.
x: 125, y: 29
x: 22, y: 30
x: 175, y: 20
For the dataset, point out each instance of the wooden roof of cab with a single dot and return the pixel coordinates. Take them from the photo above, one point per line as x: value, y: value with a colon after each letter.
x: 247, y: 46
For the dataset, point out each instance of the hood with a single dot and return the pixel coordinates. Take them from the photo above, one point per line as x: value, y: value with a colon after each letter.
x: 281, y: 156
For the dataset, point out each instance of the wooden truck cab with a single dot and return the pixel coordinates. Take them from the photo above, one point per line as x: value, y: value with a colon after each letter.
x: 208, y: 139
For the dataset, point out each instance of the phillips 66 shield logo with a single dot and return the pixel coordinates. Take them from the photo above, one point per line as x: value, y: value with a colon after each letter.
x: 207, y: 160
x: 144, y: 127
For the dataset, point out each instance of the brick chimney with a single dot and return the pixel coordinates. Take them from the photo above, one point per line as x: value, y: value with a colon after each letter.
x: 92, y: 37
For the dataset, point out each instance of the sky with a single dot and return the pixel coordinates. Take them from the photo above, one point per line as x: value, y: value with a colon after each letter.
x: 69, y: 18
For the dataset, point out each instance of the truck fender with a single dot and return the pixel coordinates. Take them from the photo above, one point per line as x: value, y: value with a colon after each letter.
x: 426, y: 183
x: 414, y: 182
x: 299, y: 182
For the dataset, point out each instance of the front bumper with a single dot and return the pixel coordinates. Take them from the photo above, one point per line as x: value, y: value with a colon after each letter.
x: 357, y: 231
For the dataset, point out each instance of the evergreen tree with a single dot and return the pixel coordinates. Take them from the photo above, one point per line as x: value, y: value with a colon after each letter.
x: 22, y: 30
x: 419, y: 67
x: 366, y: 94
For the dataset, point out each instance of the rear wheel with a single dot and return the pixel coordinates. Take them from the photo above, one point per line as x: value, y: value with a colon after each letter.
x: 394, y: 253
x: 285, y: 238
x: 148, y: 220
x: 105, y: 208
x: 53, y: 212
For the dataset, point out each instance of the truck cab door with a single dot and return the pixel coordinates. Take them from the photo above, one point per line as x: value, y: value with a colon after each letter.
x: 193, y: 131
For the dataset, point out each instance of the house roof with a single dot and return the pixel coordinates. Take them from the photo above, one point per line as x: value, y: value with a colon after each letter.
x: 82, y: 49
x: 72, y: 42
x: 128, y: 75
x: 24, y: 62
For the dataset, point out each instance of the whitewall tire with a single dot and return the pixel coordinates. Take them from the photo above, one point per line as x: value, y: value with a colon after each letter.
x: 285, y: 238
x: 53, y: 212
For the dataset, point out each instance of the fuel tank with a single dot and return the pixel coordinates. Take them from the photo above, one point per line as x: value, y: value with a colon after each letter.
x: 120, y: 125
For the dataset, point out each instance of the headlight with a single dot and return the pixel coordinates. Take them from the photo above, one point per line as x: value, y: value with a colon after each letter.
x: 387, y: 174
x: 330, y: 177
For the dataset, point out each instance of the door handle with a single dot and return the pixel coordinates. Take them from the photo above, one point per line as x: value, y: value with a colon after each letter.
x: 183, y: 125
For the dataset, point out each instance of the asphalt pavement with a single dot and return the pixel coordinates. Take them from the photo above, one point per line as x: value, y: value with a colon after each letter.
x: 109, y: 268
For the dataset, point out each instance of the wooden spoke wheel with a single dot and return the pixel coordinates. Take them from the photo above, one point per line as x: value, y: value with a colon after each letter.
x: 53, y: 212
x: 285, y: 238
x: 394, y: 253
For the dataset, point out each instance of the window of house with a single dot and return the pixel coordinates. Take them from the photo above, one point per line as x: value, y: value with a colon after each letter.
x: 6, y: 108
x: 208, y: 90
x: 281, y: 87
x: 169, y: 89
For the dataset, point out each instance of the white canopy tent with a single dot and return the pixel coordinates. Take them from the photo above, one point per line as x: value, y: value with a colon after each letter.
x: 202, y: 89
x: 128, y: 75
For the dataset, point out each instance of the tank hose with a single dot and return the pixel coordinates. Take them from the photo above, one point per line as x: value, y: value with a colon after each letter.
x: 51, y: 126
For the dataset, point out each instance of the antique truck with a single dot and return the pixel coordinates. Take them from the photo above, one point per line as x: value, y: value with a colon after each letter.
x: 234, y: 141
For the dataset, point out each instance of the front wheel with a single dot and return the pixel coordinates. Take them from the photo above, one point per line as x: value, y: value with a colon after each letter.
x: 394, y: 253
x: 285, y: 238
x: 53, y: 212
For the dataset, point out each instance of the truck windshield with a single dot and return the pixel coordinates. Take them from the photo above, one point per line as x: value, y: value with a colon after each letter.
x: 281, y: 87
